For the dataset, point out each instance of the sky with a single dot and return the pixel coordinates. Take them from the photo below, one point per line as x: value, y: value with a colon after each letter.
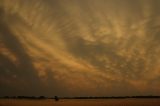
x: 79, y: 47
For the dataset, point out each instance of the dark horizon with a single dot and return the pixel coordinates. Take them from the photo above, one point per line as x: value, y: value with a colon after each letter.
x: 78, y: 97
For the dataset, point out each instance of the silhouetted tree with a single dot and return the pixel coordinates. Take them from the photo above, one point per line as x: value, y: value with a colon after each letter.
x: 56, y: 98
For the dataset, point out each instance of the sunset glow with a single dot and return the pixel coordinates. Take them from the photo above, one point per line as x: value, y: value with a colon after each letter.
x: 79, y: 47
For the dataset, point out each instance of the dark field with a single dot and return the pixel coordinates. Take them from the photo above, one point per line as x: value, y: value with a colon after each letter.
x: 81, y: 102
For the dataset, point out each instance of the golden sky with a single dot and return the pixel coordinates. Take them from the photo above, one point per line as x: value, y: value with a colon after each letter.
x: 79, y: 47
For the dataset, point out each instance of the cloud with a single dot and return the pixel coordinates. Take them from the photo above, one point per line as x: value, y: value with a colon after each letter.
x: 16, y: 65
x: 82, y: 46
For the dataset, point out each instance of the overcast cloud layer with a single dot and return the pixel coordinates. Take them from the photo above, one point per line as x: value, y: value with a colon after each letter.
x: 80, y: 47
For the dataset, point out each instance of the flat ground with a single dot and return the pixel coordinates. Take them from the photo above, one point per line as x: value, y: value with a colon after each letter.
x: 81, y: 102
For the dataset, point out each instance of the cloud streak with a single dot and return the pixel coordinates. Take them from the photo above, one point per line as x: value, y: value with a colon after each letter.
x: 87, y: 47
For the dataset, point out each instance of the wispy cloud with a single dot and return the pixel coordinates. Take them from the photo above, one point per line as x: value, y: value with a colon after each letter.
x: 83, y: 46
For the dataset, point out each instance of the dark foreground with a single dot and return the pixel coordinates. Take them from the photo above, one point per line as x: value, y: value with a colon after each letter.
x: 81, y: 102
